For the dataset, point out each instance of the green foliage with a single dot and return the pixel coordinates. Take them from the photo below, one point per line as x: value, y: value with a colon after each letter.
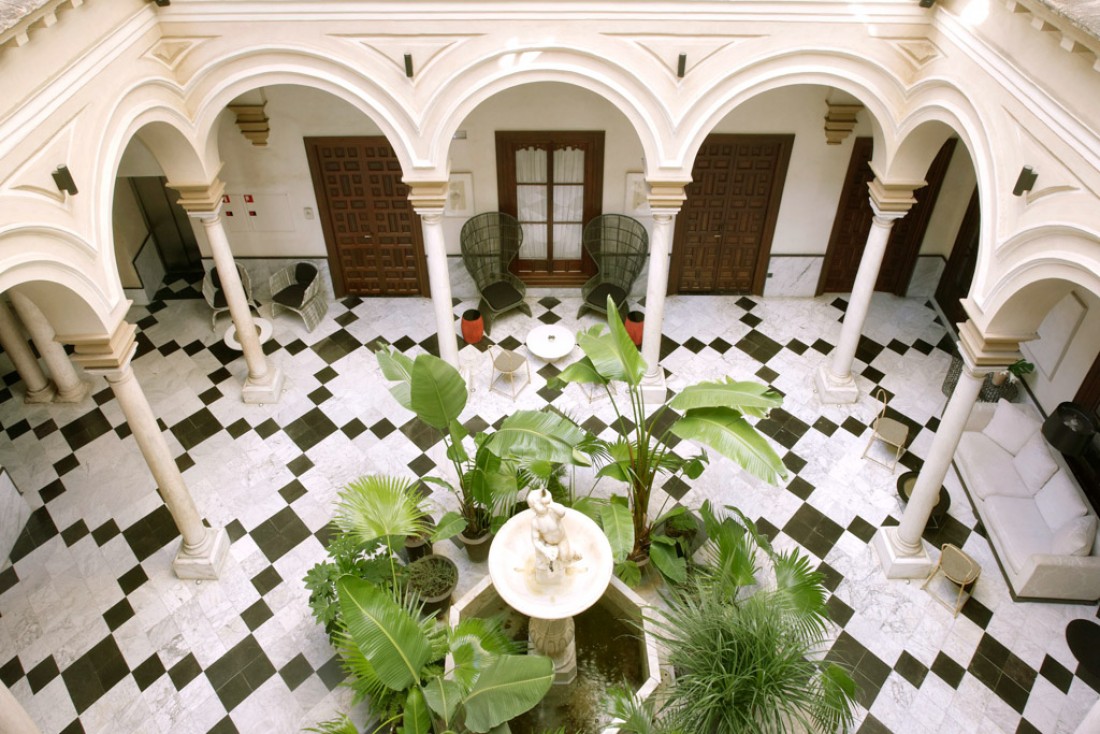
x: 340, y: 725
x: 1021, y: 367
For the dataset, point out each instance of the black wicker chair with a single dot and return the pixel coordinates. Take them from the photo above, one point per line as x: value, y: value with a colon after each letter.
x: 619, y: 245
x: 490, y: 242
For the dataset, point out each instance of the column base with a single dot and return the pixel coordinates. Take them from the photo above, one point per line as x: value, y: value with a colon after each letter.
x: 833, y: 390
x: 268, y: 392
x: 75, y: 394
x: 895, y: 562
x: 555, y: 638
x: 44, y: 395
x: 204, y: 562
x: 654, y: 390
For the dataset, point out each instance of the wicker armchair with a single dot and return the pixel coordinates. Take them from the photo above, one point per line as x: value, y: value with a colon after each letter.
x: 490, y: 242
x: 215, y: 297
x: 619, y: 245
x: 297, y: 288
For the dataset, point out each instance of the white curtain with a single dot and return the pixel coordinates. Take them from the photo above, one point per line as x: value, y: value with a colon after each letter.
x: 531, y: 201
x: 532, y: 204
x: 568, y: 202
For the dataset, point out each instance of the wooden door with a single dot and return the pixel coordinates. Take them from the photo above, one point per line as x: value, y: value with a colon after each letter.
x: 853, y: 219
x: 552, y: 182
x: 959, y: 272
x: 372, y: 234
x: 724, y: 230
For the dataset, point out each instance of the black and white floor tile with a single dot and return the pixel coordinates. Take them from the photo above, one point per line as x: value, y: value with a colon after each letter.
x: 97, y: 635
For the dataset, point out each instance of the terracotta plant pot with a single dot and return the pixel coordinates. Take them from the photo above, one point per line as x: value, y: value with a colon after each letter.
x: 477, y: 548
x: 635, y: 325
x: 473, y: 326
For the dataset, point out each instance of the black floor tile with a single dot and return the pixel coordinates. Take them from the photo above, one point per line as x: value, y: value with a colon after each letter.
x: 279, y: 533
x: 1056, y: 673
x: 117, y: 615
x: 911, y: 669
x: 256, y: 615
x: 266, y: 580
x: 151, y: 533
x: 149, y: 671
x: 310, y: 429
x: 813, y: 530
x: 40, y: 675
x: 11, y: 671
x: 185, y: 671
x: 196, y: 428
x: 72, y: 534
x: 296, y: 671
x: 239, y: 672
x: 948, y: 670
x: 85, y: 429
x: 105, y: 532
x: 132, y: 579
x: 332, y: 673
x: 95, y: 673
x: 8, y: 579
x: 39, y: 530
x: 421, y: 434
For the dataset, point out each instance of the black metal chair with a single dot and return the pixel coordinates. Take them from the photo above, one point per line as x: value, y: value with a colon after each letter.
x: 490, y: 242
x: 619, y: 244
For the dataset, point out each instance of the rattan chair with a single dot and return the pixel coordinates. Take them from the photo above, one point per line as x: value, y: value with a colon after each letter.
x: 490, y: 242
x: 619, y: 245
x: 297, y: 288
x: 892, y: 432
x: 215, y: 296
x: 958, y: 568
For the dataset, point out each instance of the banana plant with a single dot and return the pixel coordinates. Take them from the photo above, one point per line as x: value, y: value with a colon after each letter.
x: 394, y: 658
x: 488, y: 477
x: 710, y: 413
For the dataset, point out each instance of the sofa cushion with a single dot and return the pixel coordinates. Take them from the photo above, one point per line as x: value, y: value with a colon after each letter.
x: 987, y: 468
x: 1058, y: 500
x: 1075, y: 537
x: 1019, y: 527
x: 1034, y: 463
x: 1010, y: 427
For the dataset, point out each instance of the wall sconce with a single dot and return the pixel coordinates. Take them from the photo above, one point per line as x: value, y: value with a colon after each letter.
x: 409, y: 65
x: 64, y: 180
x: 163, y: 3
x: 927, y: 3
x: 1025, y: 181
x: 681, y: 66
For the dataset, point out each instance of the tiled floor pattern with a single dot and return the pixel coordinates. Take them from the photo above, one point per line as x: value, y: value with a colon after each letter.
x: 96, y: 635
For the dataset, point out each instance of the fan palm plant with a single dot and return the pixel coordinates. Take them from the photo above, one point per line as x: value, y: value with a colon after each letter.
x: 711, y: 413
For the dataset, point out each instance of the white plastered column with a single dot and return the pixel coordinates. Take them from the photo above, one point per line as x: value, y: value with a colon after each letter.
x: 428, y: 200
x: 665, y: 199
x: 13, y: 718
x: 39, y: 388
x: 264, y: 382
x: 901, y: 549
x: 833, y: 380
x: 71, y: 388
x: 202, y: 550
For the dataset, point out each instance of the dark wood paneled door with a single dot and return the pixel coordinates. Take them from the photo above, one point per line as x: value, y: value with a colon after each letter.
x: 724, y: 230
x: 959, y: 272
x: 853, y: 219
x: 371, y: 231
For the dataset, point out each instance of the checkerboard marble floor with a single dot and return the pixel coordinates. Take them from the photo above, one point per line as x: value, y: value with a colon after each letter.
x: 96, y: 635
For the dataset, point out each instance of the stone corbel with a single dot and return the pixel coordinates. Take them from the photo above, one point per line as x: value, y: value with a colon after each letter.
x: 253, y: 122
x: 840, y: 121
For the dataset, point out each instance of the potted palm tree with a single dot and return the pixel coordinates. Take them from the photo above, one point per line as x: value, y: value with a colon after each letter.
x: 711, y: 413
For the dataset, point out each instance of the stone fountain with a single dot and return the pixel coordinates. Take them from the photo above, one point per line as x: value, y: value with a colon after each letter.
x: 551, y: 563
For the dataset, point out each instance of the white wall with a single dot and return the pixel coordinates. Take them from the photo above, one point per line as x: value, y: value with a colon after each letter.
x: 129, y: 233
x: 958, y: 185
x: 1077, y: 349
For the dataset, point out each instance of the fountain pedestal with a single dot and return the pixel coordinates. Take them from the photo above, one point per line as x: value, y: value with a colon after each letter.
x: 551, y: 595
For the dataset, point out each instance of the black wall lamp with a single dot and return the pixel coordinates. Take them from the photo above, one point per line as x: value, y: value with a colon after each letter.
x: 927, y: 3
x: 681, y: 65
x: 1025, y: 181
x: 163, y: 3
x: 409, y: 65
x: 64, y: 180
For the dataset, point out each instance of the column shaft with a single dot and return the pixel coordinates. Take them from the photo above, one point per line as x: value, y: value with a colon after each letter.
x: 13, y: 717
x: 70, y: 387
x: 660, y: 246
x: 39, y: 388
x: 439, y: 279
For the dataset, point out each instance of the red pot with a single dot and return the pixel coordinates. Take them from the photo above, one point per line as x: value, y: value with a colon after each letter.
x: 473, y: 326
x: 635, y: 325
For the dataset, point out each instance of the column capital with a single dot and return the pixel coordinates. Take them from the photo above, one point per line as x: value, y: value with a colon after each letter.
x: 200, y: 200
x: 666, y: 196
x: 892, y: 200
x: 983, y: 353
x: 426, y: 196
x: 106, y: 354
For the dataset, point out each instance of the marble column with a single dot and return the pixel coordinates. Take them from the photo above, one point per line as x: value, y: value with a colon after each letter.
x: 39, y: 388
x: 900, y: 549
x: 264, y: 382
x: 13, y: 717
x: 833, y: 381
x: 71, y: 388
x: 202, y: 550
x: 429, y: 200
x: 665, y: 199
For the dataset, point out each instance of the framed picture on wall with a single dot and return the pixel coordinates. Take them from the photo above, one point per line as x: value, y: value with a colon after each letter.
x: 460, y: 195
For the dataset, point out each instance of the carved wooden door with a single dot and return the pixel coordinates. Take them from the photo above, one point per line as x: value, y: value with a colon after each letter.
x: 724, y: 229
x: 371, y: 231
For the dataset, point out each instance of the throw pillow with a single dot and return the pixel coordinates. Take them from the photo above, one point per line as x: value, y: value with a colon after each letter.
x: 1075, y: 537
x: 1034, y: 463
x: 1059, y: 501
x: 1010, y: 427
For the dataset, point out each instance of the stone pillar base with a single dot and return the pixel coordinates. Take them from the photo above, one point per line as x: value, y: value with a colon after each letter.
x: 75, y: 394
x: 832, y: 391
x: 555, y: 639
x: 268, y: 392
x: 42, y: 395
x: 204, y: 562
x: 896, y: 563
x: 654, y: 389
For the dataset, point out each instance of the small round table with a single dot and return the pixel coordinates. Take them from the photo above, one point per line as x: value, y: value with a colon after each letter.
x: 1083, y: 638
x: 550, y: 342
x: 263, y: 331
x: 907, y: 481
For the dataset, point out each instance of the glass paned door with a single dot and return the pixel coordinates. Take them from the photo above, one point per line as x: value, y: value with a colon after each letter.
x: 552, y: 183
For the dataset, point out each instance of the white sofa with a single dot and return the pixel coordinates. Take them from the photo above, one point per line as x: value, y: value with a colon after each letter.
x: 1038, y: 520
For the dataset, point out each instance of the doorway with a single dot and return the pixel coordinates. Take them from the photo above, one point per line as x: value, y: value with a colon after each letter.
x: 552, y: 182
x: 724, y: 230
x: 167, y: 221
x: 371, y: 232
x: 959, y: 271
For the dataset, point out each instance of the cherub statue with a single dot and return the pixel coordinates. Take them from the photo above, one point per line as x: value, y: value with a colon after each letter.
x: 552, y: 549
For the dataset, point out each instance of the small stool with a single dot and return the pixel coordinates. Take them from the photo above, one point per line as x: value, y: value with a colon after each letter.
x: 507, y: 363
x: 959, y: 569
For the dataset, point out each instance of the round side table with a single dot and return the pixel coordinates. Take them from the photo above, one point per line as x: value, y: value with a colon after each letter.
x: 263, y: 331
x: 1083, y: 638
x: 907, y: 481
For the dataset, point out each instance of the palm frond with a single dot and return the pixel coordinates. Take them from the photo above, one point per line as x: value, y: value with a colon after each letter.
x: 379, y: 506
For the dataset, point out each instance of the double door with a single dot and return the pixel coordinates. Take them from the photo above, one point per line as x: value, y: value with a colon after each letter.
x: 724, y: 230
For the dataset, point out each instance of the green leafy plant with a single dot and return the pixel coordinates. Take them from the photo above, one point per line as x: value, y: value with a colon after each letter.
x: 746, y: 648
x: 711, y: 413
x: 1021, y: 367
x: 431, y: 576
x: 488, y: 478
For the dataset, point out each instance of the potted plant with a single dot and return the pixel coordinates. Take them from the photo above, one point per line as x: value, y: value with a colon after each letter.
x: 433, y: 579
x: 1017, y: 369
x: 419, y: 544
x: 711, y: 413
x: 487, y: 478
